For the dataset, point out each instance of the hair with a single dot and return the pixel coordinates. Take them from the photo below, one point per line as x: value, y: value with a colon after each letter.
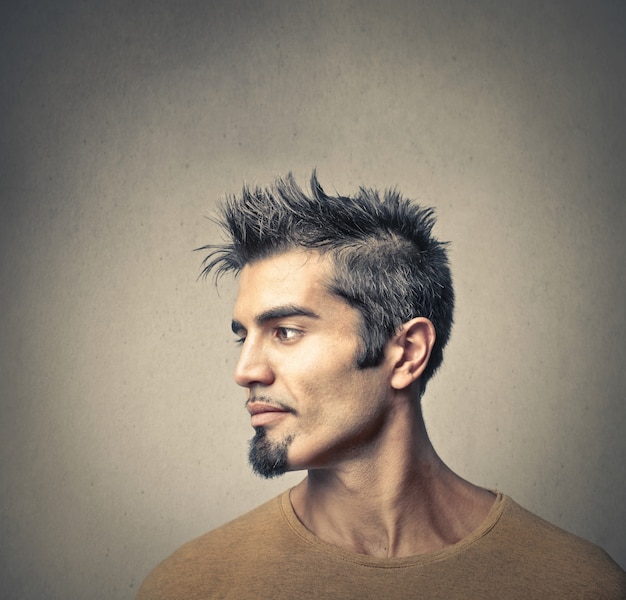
x: 387, y: 264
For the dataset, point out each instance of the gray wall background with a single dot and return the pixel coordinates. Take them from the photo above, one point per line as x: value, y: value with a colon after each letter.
x: 122, y: 123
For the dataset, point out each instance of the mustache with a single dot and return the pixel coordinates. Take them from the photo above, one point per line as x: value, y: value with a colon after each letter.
x: 269, y: 401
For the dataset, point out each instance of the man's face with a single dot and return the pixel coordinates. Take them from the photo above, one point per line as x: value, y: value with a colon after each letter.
x: 310, y: 405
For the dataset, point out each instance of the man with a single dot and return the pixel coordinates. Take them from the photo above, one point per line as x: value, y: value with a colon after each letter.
x: 344, y: 309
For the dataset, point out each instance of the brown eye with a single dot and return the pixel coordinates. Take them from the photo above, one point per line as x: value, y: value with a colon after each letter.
x: 287, y: 334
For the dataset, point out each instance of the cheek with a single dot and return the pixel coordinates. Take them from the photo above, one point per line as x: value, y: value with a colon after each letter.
x: 319, y: 364
x: 323, y: 377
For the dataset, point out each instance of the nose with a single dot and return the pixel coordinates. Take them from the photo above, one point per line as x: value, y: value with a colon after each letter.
x: 252, y: 366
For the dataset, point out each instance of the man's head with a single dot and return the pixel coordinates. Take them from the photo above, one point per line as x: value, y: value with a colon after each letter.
x: 386, y: 264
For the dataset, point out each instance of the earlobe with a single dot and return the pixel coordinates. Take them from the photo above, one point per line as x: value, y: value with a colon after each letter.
x: 415, y: 342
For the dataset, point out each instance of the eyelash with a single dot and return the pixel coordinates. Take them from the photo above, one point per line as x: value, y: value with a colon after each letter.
x: 290, y: 331
x: 287, y: 330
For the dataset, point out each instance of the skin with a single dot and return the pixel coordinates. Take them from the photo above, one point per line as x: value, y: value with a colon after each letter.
x: 375, y: 484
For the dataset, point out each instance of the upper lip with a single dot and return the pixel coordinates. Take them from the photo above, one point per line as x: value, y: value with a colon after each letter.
x: 254, y: 408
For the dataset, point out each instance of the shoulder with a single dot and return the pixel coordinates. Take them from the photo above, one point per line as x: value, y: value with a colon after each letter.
x: 215, y: 556
x: 544, y: 536
x: 548, y: 552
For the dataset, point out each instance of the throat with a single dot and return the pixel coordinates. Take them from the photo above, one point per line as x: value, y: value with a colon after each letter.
x: 384, y: 525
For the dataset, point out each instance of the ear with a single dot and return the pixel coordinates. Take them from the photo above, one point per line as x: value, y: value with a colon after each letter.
x: 413, y: 343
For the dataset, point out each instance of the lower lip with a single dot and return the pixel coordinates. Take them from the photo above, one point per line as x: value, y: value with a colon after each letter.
x: 267, y: 418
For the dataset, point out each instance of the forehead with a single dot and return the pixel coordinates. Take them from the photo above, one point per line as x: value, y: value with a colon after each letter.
x: 296, y: 277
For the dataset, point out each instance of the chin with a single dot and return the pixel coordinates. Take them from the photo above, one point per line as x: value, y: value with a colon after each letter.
x: 267, y: 458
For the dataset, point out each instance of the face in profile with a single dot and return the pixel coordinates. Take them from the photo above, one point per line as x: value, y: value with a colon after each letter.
x: 310, y: 404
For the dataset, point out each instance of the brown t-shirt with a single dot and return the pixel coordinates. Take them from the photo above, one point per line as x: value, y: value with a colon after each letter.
x: 268, y: 554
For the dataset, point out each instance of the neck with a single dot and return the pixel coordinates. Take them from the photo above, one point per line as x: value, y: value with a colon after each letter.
x: 401, y: 502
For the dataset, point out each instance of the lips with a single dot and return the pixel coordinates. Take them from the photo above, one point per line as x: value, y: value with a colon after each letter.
x: 263, y: 414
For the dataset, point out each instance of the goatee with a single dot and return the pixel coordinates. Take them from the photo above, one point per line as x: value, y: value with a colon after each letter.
x: 268, y: 459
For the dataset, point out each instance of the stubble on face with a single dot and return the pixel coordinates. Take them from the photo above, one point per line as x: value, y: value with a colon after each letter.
x: 268, y: 459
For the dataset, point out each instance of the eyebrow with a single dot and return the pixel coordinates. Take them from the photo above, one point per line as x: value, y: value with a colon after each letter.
x: 278, y: 312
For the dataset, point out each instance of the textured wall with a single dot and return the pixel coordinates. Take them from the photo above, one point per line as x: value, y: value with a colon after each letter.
x: 121, y: 433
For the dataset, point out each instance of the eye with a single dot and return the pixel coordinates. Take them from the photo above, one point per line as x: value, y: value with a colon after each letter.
x: 287, y: 334
x: 240, y: 336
